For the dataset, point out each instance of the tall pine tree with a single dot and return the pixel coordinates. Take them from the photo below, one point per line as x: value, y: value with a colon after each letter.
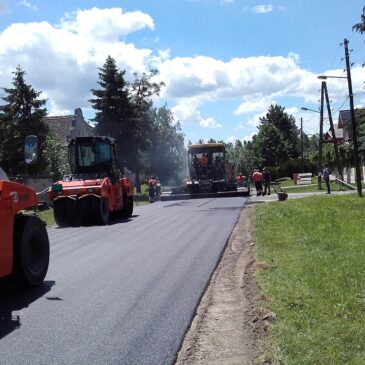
x: 114, y: 112
x: 21, y: 115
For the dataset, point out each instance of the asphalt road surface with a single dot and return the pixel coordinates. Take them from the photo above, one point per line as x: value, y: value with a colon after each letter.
x: 119, y: 294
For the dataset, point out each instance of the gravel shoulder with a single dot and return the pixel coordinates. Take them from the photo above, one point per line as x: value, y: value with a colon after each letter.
x: 230, y: 324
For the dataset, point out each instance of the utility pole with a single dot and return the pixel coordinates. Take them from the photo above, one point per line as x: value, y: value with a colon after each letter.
x: 320, y: 142
x: 301, y: 143
x: 353, y: 120
x: 337, y: 157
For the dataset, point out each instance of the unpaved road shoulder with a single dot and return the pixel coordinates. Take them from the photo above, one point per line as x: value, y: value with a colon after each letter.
x: 229, y: 327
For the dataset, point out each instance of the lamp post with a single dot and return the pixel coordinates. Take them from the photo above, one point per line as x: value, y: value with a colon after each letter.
x: 353, y: 122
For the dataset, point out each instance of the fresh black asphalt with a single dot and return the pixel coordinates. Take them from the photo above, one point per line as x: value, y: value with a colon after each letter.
x: 119, y: 294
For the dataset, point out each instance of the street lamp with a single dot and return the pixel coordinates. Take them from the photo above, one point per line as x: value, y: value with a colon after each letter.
x: 309, y: 110
x: 325, y: 77
x: 353, y: 121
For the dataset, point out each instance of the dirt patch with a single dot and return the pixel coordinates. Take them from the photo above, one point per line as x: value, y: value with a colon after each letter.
x: 230, y: 325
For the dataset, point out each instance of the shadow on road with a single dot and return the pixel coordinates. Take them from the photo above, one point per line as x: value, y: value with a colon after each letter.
x: 12, y: 300
x: 113, y: 220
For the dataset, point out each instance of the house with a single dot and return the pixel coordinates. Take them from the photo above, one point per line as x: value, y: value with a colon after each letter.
x: 344, y: 123
x: 338, y: 133
x: 343, y: 132
x: 66, y: 127
x: 343, y: 129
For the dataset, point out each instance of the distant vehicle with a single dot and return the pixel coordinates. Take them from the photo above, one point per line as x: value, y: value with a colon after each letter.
x: 210, y: 174
x: 24, y: 244
x: 94, y: 190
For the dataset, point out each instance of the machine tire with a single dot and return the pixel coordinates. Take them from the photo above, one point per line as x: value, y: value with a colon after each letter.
x: 65, y: 212
x: 101, y: 211
x: 128, y: 207
x: 31, y: 252
x: 85, y: 211
x: 129, y: 210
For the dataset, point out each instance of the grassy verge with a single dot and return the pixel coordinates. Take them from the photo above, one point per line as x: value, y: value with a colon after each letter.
x: 47, y: 216
x: 289, y: 186
x: 311, y: 255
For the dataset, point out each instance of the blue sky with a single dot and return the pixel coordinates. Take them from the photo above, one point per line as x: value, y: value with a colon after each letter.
x: 223, y: 61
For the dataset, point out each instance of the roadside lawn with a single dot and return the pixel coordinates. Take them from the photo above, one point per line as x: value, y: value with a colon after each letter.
x: 311, y: 268
x: 288, y: 185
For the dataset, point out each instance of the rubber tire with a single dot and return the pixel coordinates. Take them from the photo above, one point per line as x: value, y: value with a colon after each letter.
x: 65, y: 212
x: 101, y: 211
x: 128, y: 207
x: 31, y: 252
x: 85, y: 211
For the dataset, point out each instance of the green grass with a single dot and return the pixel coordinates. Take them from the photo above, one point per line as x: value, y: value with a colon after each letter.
x: 288, y: 185
x: 311, y: 255
x: 47, y: 216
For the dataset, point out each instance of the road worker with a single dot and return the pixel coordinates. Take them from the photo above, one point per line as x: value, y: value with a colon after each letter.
x: 257, y: 179
x: 240, y: 179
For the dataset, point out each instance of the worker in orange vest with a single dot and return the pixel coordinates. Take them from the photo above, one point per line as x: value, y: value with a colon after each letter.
x: 240, y: 179
x: 203, y: 161
x: 257, y: 179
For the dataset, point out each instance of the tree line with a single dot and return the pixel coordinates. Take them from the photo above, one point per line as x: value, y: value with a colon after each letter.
x: 285, y: 150
x: 149, y: 139
x: 276, y: 146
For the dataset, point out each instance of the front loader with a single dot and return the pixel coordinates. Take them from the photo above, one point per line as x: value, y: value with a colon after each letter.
x: 94, y: 190
x: 24, y: 244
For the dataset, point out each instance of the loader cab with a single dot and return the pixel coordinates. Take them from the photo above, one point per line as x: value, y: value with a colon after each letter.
x: 93, y: 157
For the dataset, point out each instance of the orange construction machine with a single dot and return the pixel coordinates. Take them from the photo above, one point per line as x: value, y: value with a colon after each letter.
x: 24, y: 245
x: 210, y: 175
x: 94, y: 190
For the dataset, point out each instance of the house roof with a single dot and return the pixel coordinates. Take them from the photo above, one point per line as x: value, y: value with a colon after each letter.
x: 60, y: 126
x: 344, y: 118
x: 338, y: 133
x: 68, y: 126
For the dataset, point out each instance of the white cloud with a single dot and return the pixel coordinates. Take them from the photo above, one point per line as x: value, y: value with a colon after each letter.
x: 213, y: 79
x: 63, y: 60
x: 262, y: 9
x: 251, y: 121
x: 249, y: 137
x: 27, y: 4
x: 256, y: 81
x: 186, y: 111
x: 231, y: 139
x: 105, y: 24
x: 210, y: 123
x: 254, y: 103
